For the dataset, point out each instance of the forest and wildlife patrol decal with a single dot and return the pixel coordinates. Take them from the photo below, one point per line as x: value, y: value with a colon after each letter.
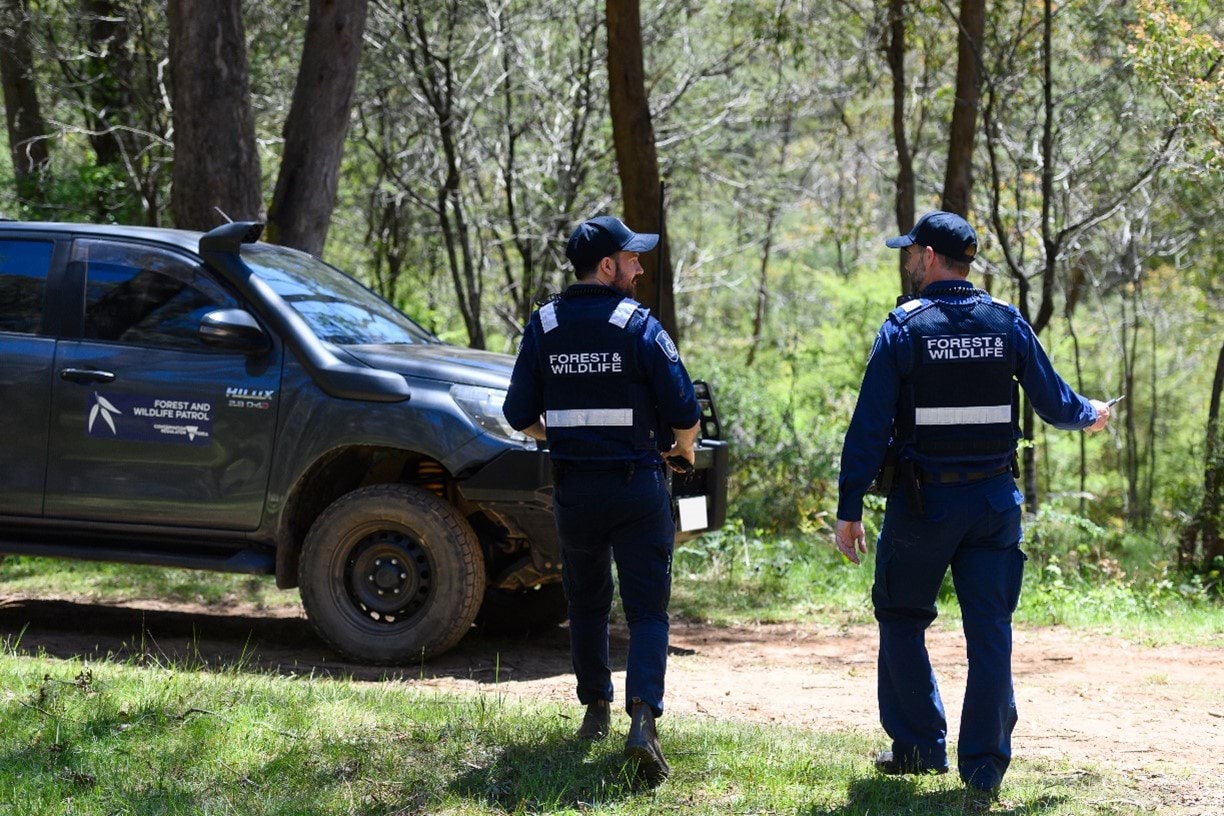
x: 150, y: 419
x: 964, y: 348
x: 589, y: 362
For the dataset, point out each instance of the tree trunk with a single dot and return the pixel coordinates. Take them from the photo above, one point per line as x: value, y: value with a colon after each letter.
x: 27, y: 131
x: 1129, y: 330
x: 958, y: 182
x: 904, y: 197
x: 108, y: 69
x: 1206, y: 524
x: 216, y: 166
x: 637, y: 159
x: 318, y: 120
x: 433, y: 70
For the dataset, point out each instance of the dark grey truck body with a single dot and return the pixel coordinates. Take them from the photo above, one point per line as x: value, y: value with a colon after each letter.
x: 207, y: 401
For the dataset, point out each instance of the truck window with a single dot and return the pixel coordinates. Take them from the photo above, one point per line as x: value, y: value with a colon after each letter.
x: 339, y: 309
x: 145, y: 296
x: 23, y: 282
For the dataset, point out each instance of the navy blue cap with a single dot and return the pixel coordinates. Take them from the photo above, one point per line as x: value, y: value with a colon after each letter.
x: 946, y: 233
x: 600, y: 237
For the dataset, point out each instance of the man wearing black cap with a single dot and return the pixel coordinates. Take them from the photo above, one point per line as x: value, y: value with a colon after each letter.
x: 940, y: 397
x: 613, y: 394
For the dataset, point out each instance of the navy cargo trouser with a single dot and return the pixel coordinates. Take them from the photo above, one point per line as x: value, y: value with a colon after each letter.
x: 602, y: 515
x: 975, y: 529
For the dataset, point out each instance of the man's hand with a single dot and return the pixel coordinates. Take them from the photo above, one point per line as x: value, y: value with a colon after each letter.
x: 686, y: 439
x: 677, y: 454
x: 850, y: 539
x: 1103, y: 413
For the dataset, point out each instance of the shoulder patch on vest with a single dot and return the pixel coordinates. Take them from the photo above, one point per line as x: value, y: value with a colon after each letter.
x: 907, y: 310
x: 548, y: 316
x: 998, y: 302
x: 623, y: 311
x: 669, y: 348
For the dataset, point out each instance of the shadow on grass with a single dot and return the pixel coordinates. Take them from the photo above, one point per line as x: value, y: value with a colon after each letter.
x: 558, y: 774
x: 880, y: 795
x: 274, y: 644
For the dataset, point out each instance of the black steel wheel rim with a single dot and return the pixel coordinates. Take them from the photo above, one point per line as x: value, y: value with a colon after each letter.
x: 388, y: 577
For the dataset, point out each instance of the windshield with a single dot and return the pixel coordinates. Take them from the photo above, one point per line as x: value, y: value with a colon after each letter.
x: 339, y: 309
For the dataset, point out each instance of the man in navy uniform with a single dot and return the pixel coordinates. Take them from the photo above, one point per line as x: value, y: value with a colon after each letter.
x: 614, y: 395
x: 940, y: 397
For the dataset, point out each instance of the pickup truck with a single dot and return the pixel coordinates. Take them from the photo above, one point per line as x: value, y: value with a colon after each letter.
x: 210, y: 401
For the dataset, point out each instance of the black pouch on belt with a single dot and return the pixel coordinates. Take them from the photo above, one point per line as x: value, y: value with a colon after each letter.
x: 887, y: 476
x: 911, y: 480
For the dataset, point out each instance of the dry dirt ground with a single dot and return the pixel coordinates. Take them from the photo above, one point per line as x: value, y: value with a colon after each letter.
x: 1153, y: 715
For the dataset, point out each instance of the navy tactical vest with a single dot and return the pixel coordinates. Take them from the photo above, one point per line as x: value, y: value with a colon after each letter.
x: 960, y: 399
x: 598, y: 404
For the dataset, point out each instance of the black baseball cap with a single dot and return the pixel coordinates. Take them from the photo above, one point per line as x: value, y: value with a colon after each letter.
x: 946, y: 233
x: 600, y: 237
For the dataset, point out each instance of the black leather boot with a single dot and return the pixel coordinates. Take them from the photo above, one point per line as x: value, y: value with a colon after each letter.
x: 642, y: 745
x: 595, y: 721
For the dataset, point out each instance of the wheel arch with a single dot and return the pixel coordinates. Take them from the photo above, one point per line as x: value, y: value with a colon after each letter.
x: 343, y: 470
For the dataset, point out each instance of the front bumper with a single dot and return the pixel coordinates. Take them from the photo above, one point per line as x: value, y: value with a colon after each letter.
x: 516, y: 486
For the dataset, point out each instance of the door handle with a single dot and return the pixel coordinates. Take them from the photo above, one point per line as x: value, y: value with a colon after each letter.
x: 86, y: 375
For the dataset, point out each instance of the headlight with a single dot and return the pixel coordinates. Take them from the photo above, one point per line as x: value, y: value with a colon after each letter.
x: 484, y: 406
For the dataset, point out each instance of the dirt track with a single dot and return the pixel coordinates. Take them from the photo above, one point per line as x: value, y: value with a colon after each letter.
x: 1156, y: 714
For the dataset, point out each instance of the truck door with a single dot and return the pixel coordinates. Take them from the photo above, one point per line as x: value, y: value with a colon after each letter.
x: 26, y: 355
x: 150, y: 425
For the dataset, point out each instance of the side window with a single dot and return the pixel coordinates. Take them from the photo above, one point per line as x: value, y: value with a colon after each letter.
x: 144, y: 295
x: 23, y: 282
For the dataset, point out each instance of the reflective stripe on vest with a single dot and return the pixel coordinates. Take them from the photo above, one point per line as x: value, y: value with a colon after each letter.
x: 623, y: 311
x: 590, y: 418
x: 966, y: 415
x: 548, y: 316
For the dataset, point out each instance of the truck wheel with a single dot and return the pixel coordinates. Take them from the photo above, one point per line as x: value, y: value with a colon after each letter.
x: 391, y: 574
x: 514, y: 612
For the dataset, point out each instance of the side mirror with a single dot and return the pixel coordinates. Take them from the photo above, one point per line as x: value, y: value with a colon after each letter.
x: 233, y: 330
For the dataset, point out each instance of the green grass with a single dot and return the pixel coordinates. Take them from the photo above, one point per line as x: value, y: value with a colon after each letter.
x: 733, y: 578
x: 103, y: 738
x: 89, y: 580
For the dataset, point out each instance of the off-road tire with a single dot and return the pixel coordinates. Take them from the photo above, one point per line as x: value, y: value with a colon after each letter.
x: 520, y: 612
x: 391, y: 574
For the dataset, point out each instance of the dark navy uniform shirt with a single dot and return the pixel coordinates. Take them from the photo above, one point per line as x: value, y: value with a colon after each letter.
x: 606, y: 376
x: 892, y: 360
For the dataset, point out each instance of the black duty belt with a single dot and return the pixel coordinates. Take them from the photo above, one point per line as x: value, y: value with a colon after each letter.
x: 561, y: 467
x: 961, y: 477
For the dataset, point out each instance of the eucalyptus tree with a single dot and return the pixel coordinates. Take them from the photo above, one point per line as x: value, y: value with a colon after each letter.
x: 88, y: 77
x: 1067, y: 146
x: 1184, y: 61
x: 637, y: 158
x: 27, y: 129
x: 216, y: 166
x: 305, y: 195
x: 482, y: 121
x: 958, y: 178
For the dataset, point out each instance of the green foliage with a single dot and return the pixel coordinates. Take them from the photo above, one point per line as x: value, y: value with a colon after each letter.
x: 773, y: 124
x: 1078, y: 574
x: 1185, y: 65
